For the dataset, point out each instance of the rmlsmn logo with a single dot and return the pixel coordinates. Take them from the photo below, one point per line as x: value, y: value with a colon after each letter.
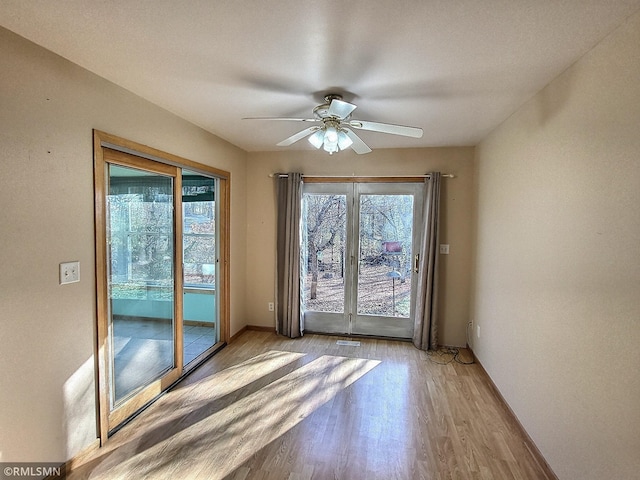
x: 31, y: 471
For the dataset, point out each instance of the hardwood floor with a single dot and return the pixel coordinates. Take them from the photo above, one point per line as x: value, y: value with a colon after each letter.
x: 266, y: 407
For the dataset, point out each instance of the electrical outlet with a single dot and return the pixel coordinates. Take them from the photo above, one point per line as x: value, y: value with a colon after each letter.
x: 271, y: 306
x: 69, y: 272
x: 444, y: 249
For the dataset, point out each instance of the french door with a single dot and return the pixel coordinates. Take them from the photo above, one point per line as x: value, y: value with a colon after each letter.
x: 158, y: 274
x: 360, y: 243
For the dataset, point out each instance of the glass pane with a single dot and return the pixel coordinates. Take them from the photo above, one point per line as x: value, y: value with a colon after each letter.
x: 323, y: 264
x: 200, y: 328
x: 384, y: 269
x: 140, y: 278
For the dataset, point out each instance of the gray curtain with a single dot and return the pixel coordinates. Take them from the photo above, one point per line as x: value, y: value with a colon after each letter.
x: 425, y: 332
x: 289, y: 205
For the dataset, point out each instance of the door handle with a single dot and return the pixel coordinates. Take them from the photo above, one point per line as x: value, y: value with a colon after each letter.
x: 416, y: 260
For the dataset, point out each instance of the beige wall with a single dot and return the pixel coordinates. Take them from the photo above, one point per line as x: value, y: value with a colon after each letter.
x: 48, y: 110
x: 557, y: 290
x: 456, y: 225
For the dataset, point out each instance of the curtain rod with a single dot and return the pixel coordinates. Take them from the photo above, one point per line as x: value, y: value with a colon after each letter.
x: 284, y: 175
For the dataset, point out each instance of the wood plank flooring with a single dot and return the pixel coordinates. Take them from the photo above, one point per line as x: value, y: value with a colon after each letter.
x: 266, y: 407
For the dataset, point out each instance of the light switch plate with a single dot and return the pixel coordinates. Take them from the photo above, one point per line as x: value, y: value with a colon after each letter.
x: 69, y: 272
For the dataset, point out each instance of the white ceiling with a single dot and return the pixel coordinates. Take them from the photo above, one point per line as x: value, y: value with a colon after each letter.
x: 456, y: 68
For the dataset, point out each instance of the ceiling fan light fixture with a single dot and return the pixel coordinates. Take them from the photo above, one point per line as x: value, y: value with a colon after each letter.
x: 332, y: 138
x: 331, y: 134
x: 317, y: 139
x: 343, y: 140
x: 329, y: 146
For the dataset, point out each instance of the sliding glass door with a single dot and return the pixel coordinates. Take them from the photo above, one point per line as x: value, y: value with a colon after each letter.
x: 201, y: 328
x: 142, y: 277
x: 161, y: 271
x: 359, y: 247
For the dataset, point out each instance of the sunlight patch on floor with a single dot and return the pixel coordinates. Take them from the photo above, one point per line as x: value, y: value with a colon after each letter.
x: 230, y: 436
x: 221, y: 384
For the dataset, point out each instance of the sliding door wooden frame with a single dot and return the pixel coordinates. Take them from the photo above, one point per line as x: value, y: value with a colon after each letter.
x: 112, y: 149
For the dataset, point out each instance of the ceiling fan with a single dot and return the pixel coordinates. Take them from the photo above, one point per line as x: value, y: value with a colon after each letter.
x: 334, y: 129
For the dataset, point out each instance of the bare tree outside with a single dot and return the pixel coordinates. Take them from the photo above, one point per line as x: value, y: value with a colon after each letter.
x: 384, y: 279
x: 324, y: 226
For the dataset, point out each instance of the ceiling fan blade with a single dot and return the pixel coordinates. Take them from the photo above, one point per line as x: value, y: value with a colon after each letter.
x: 297, y: 136
x: 340, y: 108
x: 287, y: 119
x: 414, y: 132
x: 358, y: 145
